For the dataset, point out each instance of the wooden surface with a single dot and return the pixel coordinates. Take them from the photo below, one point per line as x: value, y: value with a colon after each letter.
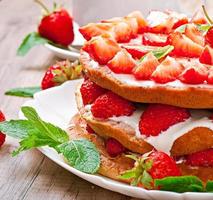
x: 31, y: 175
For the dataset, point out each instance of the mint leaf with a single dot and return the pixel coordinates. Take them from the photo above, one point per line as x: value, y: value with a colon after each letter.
x: 146, y: 180
x: 209, y: 186
x: 81, y: 154
x: 31, y: 40
x: 180, y: 184
x: 181, y: 28
x: 23, y: 92
x: 160, y: 52
x: 204, y: 27
x: 16, y: 128
x: 50, y: 130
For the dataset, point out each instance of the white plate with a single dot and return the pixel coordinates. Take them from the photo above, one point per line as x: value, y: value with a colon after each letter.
x: 57, y: 105
x: 65, y: 53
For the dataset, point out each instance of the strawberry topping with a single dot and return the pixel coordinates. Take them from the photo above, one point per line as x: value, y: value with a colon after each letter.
x: 154, y: 39
x: 122, y: 62
x: 90, y: 91
x: 2, y: 136
x: 202, y: 158
x: 146, y: 67
x: 207, y: 56
x: 113, y: 147
x: 158, y: 118
x: 110, y: 104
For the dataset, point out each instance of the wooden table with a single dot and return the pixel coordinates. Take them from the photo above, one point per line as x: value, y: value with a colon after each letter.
x: 31, y: 175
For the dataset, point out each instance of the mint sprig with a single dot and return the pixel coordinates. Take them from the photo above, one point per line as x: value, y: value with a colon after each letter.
x: 31, y: 40
x: 34, y: 132
x: 209, y: 186
x: 23, y: 92
x: 160, y: 52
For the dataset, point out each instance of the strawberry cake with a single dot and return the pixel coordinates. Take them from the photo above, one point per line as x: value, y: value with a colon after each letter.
x: 147, y: 96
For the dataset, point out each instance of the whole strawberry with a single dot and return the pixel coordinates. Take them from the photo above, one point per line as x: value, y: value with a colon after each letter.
x: 2, y: 136
x: 59, y: 73
x: 90, y: 91
x: 110, y: 104
x: 150, y: 166
x: 56, y: 26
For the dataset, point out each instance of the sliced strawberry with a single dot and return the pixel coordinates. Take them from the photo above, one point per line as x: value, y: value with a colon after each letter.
x: 158, y: 118
x: 90, y: 91
x: 207, y: 56
x: 123, y: 32
x: 113, y: 147
x: 202, y: 158
x: 154, y: 39
x: 210, y: 78
x: 138, y: 51
x: 183, y: 46
x: 95, y: 29
x: 110, y: 104
x: 167, y: 71
x: 194, y: 73
x: 198, y: 18
x: 159, y: 22
x: 209, y: 37
x: 102, y: 49
x: 133, y: 25
x: 142, y: 23
x: 146, y: 67
x: 122, y: 63
x: 178, y: 18
x: 194, y: 34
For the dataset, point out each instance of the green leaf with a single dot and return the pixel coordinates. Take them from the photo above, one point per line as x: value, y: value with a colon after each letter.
x: 16, y: 128
x: 181, y: 28
x: 209, y: 186
x: 31, y: 40
x: 23, y: 92
x: 82, y: 155
x: 50, y: 130
x: 128, y: 174
x: 160, y: 52
x: 180, y: 184
x: 146, y: 180
x: 204, y: 27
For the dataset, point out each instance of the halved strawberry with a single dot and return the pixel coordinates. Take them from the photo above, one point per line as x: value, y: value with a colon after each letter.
x: 194, y: 73
x: 133, y: 25
x: 183, y: 46
x: 210, y: 78
x: 178, y: 18
x: 122, y: 62
x: 102, y: 49
x: 138, y: 51
x: 167, y: 71
x: 194, y: 34
x: 159, y: 22
x: 158, y: 118
x: 95, y: 29
x: 154, y: 39
x: 198, y: 18
x: 146, y: 67
x: 142, y: 23
x: 207, y: 56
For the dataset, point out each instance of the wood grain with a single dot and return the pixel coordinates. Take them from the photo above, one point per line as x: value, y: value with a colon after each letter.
x: 31, y: 175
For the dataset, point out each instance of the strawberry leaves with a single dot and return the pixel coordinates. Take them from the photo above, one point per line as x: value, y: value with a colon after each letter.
x: 34, y: 132
x: 23, y: 91
x: 31, y: 40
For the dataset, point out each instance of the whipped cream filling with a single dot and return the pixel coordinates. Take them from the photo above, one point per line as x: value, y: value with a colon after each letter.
x: 130, y: 79
x: 165, y: 140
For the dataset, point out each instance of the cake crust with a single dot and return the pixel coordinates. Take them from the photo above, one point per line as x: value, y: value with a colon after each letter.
x: 187, y: 97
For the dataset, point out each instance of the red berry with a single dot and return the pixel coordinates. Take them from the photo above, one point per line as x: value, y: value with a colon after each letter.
x: 194, y: 73
x: 146, y: 67
x: 210, y: 76
x: 202, y: 158
x: 58, y: 74
x: 158, y: 118
x: 114, y: 148
x: 90, y: 91
x: 209, y: 37
x: 162, y: 165
x: 110, y: 104
x: 102, y: 49
x: 89, y: 129
x: 122, y: 63
x: 57, y: 27
x: 167, y: 71
x: 2, y: 136
x: 207, y: 56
